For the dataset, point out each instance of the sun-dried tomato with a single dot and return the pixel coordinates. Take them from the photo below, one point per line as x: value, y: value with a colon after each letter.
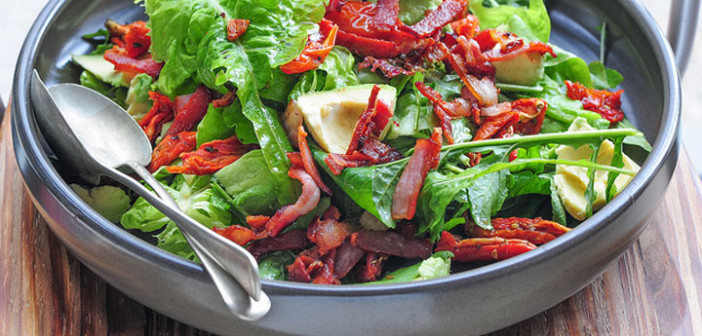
x: 171, y: 147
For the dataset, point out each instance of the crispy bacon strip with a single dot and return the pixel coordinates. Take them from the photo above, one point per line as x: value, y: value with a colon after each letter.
x: 239, y: 234
x: 436, y: 19
x: 467, y: 26
x: 492, y: 126
x: 133, y: 38
x: 347, y: 256
x: 132, y: 66
x: 171, y: 147
x: 313, y: 55
x: 361, y: 131
x: 190, y: 109
x: 484, y: 92
x: 482, y: 249
x: 426, y: 156
x: 379, y: 151
x: 225, y: 100
x: 211, y: 157
x: 372, y: 268
x: 392, y: 243
x: 338, y: 162
x: 293, y: 240
x: 307, y: 202
x: 258, y: 222
x: 327, y: 234
x: 440, y: 109
x: 308, y: 160
x: 386, y: 14
x: 607, y: 104
x: 360, y: 45
x: 161, y: 112
x: 535, y: 230
x: 236, y: 28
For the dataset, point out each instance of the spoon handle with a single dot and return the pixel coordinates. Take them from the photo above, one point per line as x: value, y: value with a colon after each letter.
x: 232, y: 268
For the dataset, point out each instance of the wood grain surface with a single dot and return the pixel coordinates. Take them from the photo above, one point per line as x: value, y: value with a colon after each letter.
x: 654, y: 289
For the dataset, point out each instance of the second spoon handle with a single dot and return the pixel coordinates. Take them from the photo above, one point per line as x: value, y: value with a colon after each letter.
x: 232, y: 268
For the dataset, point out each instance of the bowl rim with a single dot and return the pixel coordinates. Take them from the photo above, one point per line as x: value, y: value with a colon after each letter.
x: 24, y: 131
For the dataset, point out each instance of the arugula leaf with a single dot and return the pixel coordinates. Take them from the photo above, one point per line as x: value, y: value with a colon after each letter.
x: 604, y: 78
x: 438, y: 265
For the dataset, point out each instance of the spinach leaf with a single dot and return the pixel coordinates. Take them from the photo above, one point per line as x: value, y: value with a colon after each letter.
x: 272, y: 266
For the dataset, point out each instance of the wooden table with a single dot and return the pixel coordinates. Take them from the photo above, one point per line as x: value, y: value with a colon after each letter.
x: 654, y: 289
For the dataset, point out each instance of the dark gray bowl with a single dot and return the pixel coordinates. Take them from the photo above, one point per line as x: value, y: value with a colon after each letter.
x: 471, y: 302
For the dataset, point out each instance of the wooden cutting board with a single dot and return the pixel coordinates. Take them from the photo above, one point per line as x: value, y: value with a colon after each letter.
x: 654, y: 289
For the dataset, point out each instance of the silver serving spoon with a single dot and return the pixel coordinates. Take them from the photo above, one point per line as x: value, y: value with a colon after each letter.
x: 96, y: 137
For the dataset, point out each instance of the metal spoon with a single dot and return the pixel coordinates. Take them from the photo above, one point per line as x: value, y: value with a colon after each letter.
x: 96, y: 137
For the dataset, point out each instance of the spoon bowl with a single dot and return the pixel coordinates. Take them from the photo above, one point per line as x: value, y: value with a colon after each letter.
x: 96, y: 137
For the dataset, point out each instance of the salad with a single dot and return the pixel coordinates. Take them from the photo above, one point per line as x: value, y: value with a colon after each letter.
x: 344, y: 141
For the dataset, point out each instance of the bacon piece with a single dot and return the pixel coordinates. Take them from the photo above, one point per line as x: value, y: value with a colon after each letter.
x: 133, y: 38
x: 372, y: 268
x: 467, y: 26
x: 392, y: 243
x: 313, y: 55
x: 500, y: 46
x: 439, y: 108
x: 531, y: 115
x: 211, y: 157
x: 607, y: 104
x: 484, y: 90
x: 297, y: 271
x: 239, y: 234
x: 426, y: 156
x: 236, y: 28
x: 132, y: 66
x: 360, y: 45
x: 492, y: 126
x: 436, y: 19
x: 386, y: 14
x: 190, y: 109
x: 380, y: 118
x: 307, y: 202
x: 347, y: 256
x: 161, y: 112
x: 379, y: 152
x: 225, y: 100
x: 257, y: 222
x: 308, y: 160
x: 361, y: 130
x: 327, y: 234
x: 325, y: 274
x: 331, y: 213
x: 537, y: 230
x: 171, y: 147
x: 293, y: 240
x: 390, y: 67
x: 482, y: 249
x: 338, y: 162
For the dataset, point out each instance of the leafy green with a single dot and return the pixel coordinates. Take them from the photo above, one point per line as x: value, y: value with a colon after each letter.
x: 272, y: 266
x: 138, y: 102
x: 110, y: 202
x: 195, y: 197
x: 335, y: 72
x: 223, y: 122
x: 101, y: 38
x: 247, y: 181
x: 438, y: 265
x: 370, y: 187
x: 604, y: 78
x: 533, y: 14
x: 411, y: 11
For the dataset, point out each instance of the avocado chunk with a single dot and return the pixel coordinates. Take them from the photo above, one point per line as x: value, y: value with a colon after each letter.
x: 331, y: 116
x: 102, y: 69
x: 571, y: 181
x: 522, y: 69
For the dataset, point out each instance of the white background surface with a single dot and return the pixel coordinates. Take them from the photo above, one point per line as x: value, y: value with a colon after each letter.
x: 17, y: 16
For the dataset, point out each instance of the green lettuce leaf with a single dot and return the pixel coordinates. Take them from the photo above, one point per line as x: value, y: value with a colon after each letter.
x: 494, y: 13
